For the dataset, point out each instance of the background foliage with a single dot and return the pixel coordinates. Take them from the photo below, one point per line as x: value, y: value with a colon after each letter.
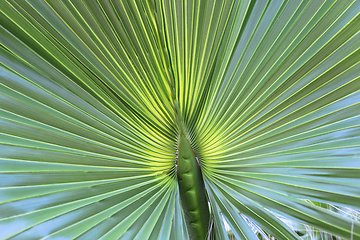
x: 268, y: 91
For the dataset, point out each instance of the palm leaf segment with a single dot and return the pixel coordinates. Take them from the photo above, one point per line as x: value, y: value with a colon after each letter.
x: 268, y: 92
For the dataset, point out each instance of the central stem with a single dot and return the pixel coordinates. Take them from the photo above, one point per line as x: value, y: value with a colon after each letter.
x: 191, y: 186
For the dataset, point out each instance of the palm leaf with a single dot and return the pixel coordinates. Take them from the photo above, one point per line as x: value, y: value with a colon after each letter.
x: 97, y: 95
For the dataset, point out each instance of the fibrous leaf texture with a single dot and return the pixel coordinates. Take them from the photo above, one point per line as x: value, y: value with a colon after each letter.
x: 167, y: 119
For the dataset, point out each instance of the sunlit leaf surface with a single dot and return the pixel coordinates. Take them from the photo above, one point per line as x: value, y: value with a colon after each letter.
x: 269, y: 93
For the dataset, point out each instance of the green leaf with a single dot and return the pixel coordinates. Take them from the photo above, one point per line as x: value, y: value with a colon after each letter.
x: 97, y: 96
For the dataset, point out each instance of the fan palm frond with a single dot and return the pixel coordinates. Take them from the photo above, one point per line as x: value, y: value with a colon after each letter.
x: 112, y: 111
